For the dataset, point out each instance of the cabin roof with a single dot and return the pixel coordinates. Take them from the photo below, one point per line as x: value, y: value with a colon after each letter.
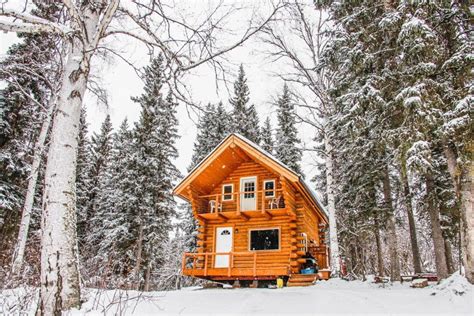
x: 257, y: 153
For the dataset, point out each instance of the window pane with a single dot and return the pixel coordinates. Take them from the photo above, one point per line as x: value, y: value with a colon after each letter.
x: 264, y: 239
x: 249, y: 187
x: 227, y: 189
x: 270, y: 185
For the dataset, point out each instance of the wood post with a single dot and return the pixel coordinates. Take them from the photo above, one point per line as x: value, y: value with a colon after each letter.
x: 183, y: 264
x: 254, y: 264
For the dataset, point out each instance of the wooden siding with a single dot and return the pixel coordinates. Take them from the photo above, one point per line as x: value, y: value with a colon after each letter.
x: 265, y: 258
x: 246, y: 169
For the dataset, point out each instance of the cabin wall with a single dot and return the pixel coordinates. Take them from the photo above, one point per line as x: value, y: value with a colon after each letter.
x: 307, y: 221
x: 241, y: 242
x: 246, y: 169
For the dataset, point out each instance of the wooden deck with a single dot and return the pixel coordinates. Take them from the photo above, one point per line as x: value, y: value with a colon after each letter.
x: 245, y: 215
x: 249, y: 266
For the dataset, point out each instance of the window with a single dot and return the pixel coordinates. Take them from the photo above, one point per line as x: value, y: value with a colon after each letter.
x: 249, y: 186
x: 304, y: 241
x: 227, y: 190
x: 265, y: 239
x: 269, y: 187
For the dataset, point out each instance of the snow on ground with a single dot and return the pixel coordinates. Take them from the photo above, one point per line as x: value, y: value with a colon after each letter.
x: 453, y: 296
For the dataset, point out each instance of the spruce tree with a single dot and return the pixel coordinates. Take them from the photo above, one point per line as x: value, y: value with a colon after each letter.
x: 82, y: 180
x: 112, y: 230
x: 213, y: 127
x: 28, y: 67
x: 287, y: 141
x: 244, y: 117
x: 99, y: 151
x: 267, y: 142
x: 155, y: 136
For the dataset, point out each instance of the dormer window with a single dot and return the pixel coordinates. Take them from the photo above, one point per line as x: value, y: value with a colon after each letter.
x: 227, y: 190
x: 269, y: 188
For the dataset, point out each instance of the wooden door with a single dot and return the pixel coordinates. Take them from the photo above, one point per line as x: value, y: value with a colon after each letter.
x: 224, y: 241
x: 248, y: 197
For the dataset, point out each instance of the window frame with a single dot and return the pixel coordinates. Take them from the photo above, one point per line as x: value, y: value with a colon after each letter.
x: 273, y: 191
x: 231, y: 193
x: 266, y: 228
x: 305, y: 248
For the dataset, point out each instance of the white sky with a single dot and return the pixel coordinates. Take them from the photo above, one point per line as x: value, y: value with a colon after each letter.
x: 122, y: 82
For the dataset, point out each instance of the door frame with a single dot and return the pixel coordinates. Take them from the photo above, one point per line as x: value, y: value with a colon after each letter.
x: 241, y: 188
x: 213, y: 263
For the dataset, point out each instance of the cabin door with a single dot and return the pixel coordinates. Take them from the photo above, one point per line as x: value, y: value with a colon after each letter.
x: 224, y: 237
x: 248, y: 197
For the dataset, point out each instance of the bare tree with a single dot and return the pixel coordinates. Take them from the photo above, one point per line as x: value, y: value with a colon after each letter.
x: 90, y: 27
x: 300, y: 44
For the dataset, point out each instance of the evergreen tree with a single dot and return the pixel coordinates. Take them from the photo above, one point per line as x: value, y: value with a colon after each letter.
x: 213, y: 127
x: 155, y: 137
x: 83, y: 165
x: 244, y: 118
x: 99, y: 151
x: 112, y: 234
x: 287, y: 141
x: 29, y: 67
x: 267, y: 142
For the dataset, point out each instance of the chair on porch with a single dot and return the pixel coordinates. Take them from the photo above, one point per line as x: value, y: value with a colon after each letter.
x: 275, y: 202
x: 213, y: 206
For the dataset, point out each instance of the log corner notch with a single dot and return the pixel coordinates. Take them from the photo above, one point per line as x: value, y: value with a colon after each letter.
x: 263, y: 235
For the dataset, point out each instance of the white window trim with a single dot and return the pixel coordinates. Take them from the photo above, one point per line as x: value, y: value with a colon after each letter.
x: 231, y: 194
x: 274, y: 188
x: 266, y: 228
x: 305, y: 248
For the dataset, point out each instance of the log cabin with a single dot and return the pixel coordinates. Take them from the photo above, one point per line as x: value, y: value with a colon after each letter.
x: 257, y: 219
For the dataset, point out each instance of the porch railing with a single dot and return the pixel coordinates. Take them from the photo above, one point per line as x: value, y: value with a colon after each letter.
x: 262, y: 203
x: 190, y: 260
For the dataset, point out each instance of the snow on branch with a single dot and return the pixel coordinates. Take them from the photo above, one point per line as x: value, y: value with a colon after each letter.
x: 27, y: 23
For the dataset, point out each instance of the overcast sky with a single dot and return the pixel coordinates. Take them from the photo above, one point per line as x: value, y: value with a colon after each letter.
x: 121, y: 82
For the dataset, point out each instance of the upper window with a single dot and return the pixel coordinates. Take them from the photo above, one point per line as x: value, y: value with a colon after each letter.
x: 265, y: 239
x: 227, y: 190
x: 269, y: 187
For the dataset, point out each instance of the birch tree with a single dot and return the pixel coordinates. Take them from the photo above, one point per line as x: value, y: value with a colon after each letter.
x: 88, y: 29
x: 301, y: 53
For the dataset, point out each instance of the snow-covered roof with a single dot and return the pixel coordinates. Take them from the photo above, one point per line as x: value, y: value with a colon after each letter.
x: 311, y: 192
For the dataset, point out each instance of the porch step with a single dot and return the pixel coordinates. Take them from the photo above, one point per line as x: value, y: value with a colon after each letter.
x: 292, y: 284
x: 302, y: 279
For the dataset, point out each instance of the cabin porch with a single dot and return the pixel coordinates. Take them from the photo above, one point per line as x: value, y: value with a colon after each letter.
x: 241, y: 265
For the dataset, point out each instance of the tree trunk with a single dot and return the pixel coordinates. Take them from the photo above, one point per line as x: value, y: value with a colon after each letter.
x: 449, y: 256
x: 378, y: 243
x: 451, y: 159
x: 438, y: 240
x: 467, y: 214
x: 333, y: 242
x: 411, y: 219
x: 19, y: 253
x: 139, y: 255
x: 391, y: 229
x: 60, y: 287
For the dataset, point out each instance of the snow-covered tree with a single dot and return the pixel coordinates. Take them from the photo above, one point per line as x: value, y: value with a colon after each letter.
x: 287, y: 142
x: 213, y: 127
x: 155, y: 137
x: 267, y: 142
x: 99, y: 151
x: 82, y: 177
x: 244, y: 117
